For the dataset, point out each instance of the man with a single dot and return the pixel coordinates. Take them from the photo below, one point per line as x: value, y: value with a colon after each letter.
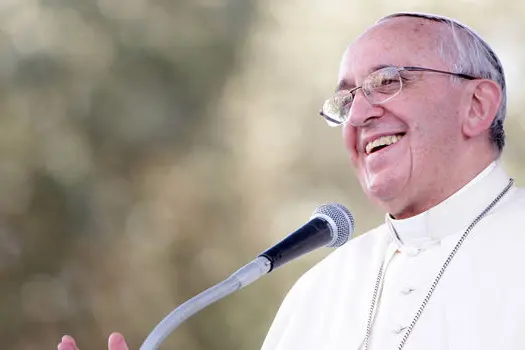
x: 421, y: 100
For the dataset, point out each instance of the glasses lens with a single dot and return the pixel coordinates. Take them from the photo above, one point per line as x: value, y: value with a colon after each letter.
x: 336, y: 108
x: 382, y: 84
x: 378, y: 87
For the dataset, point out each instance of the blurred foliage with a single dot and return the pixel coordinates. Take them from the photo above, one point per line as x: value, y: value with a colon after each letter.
x: 94, y: 95
x: 151, y: 147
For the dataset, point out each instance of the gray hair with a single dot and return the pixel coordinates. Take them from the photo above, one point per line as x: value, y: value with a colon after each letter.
x: 469, y: 54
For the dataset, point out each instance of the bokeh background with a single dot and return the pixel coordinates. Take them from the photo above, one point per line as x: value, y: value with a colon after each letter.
x: 149, y: 148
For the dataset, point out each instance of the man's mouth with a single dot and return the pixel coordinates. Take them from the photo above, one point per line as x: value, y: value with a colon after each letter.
x: 382, y: 142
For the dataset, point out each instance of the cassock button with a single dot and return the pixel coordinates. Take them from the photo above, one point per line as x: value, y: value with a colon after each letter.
x: 407, y: 290
x: 399, y: 329
x: 411, y: 251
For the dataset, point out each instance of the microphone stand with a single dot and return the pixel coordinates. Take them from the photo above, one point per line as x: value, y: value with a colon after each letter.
x: 239, y: 279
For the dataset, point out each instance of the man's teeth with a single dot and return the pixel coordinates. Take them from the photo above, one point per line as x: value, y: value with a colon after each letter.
x: 382, y: 141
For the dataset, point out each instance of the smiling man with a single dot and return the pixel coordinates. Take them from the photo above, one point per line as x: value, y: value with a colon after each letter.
x: 421, y: 100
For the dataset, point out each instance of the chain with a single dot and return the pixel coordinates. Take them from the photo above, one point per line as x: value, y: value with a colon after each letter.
x: 436, y: 280
x: 372, y: 307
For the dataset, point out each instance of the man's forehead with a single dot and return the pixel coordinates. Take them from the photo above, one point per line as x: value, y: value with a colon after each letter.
x: 409, y: 27
x: 398, y: 41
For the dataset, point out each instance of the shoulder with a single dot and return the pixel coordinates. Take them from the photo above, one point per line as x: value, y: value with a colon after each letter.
x: 346, y: 260
x: 328, y: 284
x: 512, y: 205
x: 508, y: 217
x: 517, y: 196
x: 363, y: 245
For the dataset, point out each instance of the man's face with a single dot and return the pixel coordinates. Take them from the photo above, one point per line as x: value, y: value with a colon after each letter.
x: 407, y: 175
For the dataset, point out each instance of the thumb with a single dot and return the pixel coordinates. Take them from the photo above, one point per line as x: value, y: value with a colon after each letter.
x: 116, y: 342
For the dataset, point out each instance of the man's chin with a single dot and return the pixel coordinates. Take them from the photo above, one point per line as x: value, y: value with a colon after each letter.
x: 384, y: 192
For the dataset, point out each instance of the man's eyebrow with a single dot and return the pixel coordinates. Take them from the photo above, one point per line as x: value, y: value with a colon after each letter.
x: 347, y: 85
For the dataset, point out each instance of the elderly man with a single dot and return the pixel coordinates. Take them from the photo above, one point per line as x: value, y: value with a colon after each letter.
x: 421, y: 101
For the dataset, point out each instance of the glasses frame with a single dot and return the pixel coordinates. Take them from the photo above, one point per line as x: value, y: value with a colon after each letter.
x: 398, y: 69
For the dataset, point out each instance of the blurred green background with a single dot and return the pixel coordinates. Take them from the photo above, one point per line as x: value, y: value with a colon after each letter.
x: 149, y: 148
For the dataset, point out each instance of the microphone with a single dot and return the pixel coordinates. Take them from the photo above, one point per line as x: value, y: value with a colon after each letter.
x: 330, y: 225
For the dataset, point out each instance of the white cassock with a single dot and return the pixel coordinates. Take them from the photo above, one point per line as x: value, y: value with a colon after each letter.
x: 478, y: 304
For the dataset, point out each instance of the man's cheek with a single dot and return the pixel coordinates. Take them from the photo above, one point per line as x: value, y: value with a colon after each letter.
x: 349, y: 138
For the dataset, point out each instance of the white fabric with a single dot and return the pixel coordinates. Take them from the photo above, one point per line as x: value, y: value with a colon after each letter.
x: 478, y: 304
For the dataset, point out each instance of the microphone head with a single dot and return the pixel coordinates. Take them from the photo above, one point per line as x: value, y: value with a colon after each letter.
x: 340, y: 221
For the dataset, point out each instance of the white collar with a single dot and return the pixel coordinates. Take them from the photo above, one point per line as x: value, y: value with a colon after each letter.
x: 454, y: 214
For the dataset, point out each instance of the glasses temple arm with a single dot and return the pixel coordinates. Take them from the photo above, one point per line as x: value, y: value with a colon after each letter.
x: 329, y: 119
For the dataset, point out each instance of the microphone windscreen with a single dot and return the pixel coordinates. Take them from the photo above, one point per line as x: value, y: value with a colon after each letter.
x: 340, y: 220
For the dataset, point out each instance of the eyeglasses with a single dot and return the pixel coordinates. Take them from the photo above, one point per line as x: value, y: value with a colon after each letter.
x: 378, y: 87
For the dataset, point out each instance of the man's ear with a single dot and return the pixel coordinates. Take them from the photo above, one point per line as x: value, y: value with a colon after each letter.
x: 484, y: 101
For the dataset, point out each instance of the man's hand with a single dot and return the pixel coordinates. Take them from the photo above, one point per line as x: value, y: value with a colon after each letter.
x: 116, y: 342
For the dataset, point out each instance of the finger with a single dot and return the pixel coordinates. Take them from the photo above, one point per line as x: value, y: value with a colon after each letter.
x: 116, y: 342
x: 67, y: 343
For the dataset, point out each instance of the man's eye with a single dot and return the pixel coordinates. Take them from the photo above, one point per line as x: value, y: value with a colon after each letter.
x: 388, y: 81
x: 381, y: 80
x: 384, y: 85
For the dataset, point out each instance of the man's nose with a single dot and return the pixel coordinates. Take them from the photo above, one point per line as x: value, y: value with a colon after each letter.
x: 363, y: 111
